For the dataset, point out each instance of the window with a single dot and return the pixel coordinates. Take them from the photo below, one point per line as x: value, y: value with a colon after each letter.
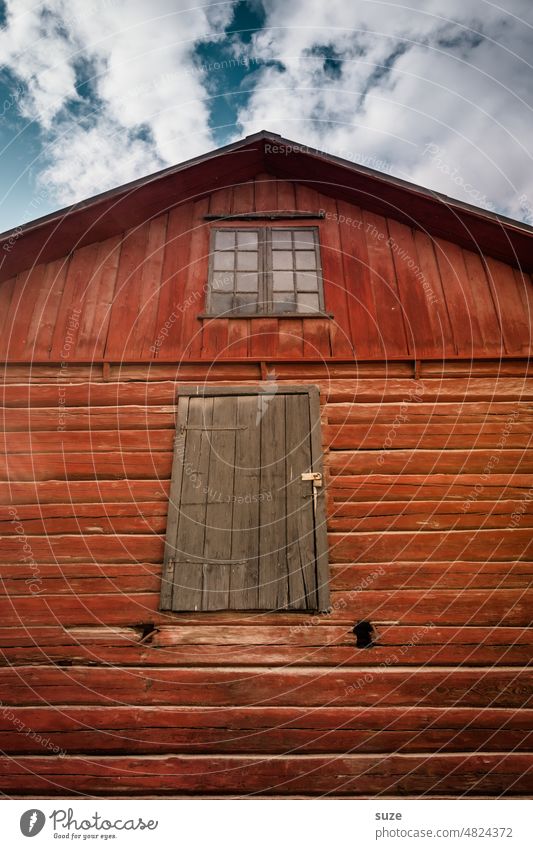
x: 270, y: 270
x: 246, y: 524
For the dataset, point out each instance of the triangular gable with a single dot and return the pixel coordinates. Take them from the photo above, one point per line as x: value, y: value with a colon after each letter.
x: 113, y: 212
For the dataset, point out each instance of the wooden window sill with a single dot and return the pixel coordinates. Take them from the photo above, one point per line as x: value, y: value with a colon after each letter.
x: 206, y: 316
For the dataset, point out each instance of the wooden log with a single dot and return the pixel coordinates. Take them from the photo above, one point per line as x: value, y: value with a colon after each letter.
x: 371, y: 686
x: 407, y: 607
x: 414, y: 461
x: 297, y: 731
x: 442, y: 412
x: 378, y: 487
x: 120, y: 439
x: 94, y: 418
x: 353, y: 775
x: 431, y: 515
x: 515, y: 544
x: 260, y: 655
x: 104, y: 465
x: 335, y: 391
x: 78, y: 492
x: 445, y: 435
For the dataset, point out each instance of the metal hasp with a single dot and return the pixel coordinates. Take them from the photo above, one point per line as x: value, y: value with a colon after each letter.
x: 316, y: 480
x: 315, y: 477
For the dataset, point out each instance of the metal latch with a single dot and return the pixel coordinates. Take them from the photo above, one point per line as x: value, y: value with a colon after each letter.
x: 315, y: 477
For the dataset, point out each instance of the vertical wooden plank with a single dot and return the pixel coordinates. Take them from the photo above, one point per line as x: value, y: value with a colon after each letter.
x: 438, y: 314
x: 244, y: 578
x: 286, y: 196
x: 389, y: 313
x: 124, y: 312
x: 94, y: 323
x: 78, y: 281
x: 456, y: 286
x: 215, y: 333
x: 220, y: 505
x: 273, y: 577
x: 321, y: 536
x: 150, y: 290
x: 415, y: 304
x: 191, y: 527
x: 316, y: 333
x: 244, y: 197
x: 524, y: 282
x: 239, y: 329
x: 364, y: 327
x: 332, y: 274
x: 194, y: 294
x: 7, y: 289
x: 264, y: 331
x: 43, y: 318
x: 174, y: 506
x: 36, y: 347
x: 238, y: 337
x: 516, y: 327
x: 27, y: 287
x: 300, y: 551
x: 481, y: 301
x: 290, y: 337
x: 167, y: 341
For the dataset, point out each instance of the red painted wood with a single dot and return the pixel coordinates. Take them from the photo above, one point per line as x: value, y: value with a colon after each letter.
x: 447, y: 586
x: 380, y: 274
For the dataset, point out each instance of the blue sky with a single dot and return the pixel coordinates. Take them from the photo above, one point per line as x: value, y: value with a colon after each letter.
x: 94, y: 93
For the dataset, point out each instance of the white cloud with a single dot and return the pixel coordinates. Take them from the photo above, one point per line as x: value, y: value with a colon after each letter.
x: 401, y: 76
x: 444, y: 72
x: 150, y: 109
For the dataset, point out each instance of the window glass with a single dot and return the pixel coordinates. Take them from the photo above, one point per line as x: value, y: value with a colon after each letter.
x: 305, y: 259
x: 282, y: 259
x: 265, y: 270
x: 223, y: 260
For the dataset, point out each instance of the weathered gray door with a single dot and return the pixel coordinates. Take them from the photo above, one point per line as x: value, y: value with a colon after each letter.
x: 246, y: 526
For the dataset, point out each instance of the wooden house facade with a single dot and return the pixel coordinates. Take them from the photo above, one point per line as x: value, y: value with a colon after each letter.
x: 265, y: 494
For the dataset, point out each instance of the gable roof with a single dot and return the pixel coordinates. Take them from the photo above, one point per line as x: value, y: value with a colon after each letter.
x: 127, y: 206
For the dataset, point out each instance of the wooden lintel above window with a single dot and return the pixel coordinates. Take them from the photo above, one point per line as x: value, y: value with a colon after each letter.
x: 263, y: 216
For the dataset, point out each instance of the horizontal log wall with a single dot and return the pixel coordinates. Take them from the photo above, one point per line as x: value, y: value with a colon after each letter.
x: 429, y: 520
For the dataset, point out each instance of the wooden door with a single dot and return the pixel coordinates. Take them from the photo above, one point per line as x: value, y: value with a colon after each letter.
x: 246, y: 526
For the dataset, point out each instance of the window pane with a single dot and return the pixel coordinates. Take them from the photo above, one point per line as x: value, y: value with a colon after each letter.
x: 283, y: 302
x: 281, y: 240
x: 307, y: 302
x: 222, y: 281
x: 245, y: 304
x: 247, y: 261
x: 247, y: 240
x: 220, y: 304
x: 247, y: 282
x: 303, y: 239
x: 224, y: 240
x: 282, y: 281
x: 305, y: 259
x: 307, y: 281
x: 282, y: 259
x: 223, y: 261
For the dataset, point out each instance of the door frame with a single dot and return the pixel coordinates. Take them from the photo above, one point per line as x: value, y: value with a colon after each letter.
x: 319, y: 509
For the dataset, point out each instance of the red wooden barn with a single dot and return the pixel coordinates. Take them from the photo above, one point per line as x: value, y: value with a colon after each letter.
x: 266, y: 506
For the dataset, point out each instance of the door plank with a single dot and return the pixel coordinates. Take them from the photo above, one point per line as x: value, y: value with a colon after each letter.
x: 273, y: 584
x: 300, y: 521
x: 187, y: 593
x: 219, y: 506
x: 244, y: 577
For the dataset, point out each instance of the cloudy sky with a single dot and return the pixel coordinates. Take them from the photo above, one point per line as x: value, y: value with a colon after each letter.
x: 94, y: 93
